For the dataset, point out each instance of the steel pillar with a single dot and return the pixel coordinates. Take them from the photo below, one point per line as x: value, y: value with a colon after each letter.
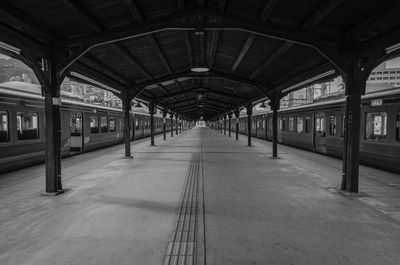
x: 224, y: 124
x: 275, y: 108
x: 151, y: 109
x: 237, y: 113
x: 230, y: 123
x: 176, y: 124
x: 164, y: 125
x: 51, y: 89
x: 249, y: 110
x: 171, y: 116
x: 126, y: 104
x: 355, y: 80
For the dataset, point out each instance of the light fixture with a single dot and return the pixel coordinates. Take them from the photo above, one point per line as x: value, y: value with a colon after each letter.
x: 392, y: 48
x: 263, y: 106
x: 90, y: 80
x: 199, y: 69
x: 310, y: 80
x: 138, y: 105
x: 9, y: 48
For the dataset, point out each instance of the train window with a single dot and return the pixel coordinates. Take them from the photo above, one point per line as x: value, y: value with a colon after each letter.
x: 343, y: 125
x: 111, y: 124
x: 28, y: 125
x: 94, y: 124
x: 398, y: 127
x: 104, y: 124
x: 137, y: 124
x: 308, y: 124
x: 282, y: 125
x: 4, y: 128
x: 76, y: 123
x: 291, y: 124
x: 332, y: 125
x: 300, y: 124
x: 375, y: 125
x: 320, y: 124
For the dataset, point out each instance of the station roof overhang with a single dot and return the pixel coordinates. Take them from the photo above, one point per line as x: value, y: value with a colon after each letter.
x: 147, y: 48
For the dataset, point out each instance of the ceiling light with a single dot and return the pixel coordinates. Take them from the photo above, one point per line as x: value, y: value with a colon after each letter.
x: 199, y: 69
x: 200, y: 95
x: 9, y: 48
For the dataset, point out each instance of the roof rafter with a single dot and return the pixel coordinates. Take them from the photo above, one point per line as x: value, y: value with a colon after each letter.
x: 159, y: 52
x: 173, y: 21
x: 8, y: 9
x: 188, y: 47
x: 243, y: 52
x: 268, y: 9
x: 326, y: 8
x: 106, y: 68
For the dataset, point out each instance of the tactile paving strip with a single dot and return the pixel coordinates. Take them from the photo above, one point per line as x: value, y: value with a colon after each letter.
x: 182, y: 249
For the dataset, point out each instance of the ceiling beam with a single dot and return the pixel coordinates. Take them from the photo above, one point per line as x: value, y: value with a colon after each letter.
x: 214, y: 47
x: 134, y: 10
x: 35, y: 26
x: 243, y: 52
x: 159, y: 52
x: 85, y: 16
x: 92, y: 73
x: 211, y: 74
x: 106, y: 68
x: 127, y: 55
x: 207, y: 90
x: 326, y: 8
x: 174, y: 22
x: 375, y: 24
x: 188, y: 48
x: 163, y: 89
x: 96, y: 25
x: 268, y: 9
x: 271, y: 59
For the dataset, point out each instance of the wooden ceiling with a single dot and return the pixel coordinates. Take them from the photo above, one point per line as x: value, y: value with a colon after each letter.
x: 146, y: 48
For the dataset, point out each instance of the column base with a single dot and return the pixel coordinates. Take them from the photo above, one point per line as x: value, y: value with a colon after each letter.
x: 52, y: 193
x: 127, y: 157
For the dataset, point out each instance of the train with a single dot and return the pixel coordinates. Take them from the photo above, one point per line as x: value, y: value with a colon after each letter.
x: 319, y: 127
x: 84, y: 126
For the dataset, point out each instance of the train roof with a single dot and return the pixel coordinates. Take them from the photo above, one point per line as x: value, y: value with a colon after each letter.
x: 375, y: 94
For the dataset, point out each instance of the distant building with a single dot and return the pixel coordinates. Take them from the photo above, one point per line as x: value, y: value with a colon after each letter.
x: 386, y: 73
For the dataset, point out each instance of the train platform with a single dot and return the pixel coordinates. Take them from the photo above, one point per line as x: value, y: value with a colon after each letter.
x: 199, y: 198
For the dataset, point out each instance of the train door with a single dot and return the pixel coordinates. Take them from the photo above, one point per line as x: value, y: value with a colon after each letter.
x: 76, y: 132
x: 320, y: 132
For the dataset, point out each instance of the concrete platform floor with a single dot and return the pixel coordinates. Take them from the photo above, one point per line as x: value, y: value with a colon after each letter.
x: 257, y: 210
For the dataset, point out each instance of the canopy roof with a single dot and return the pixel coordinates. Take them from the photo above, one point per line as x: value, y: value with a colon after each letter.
x: 253, y: 48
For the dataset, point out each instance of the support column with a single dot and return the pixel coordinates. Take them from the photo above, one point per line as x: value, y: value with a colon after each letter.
x: 180, y: 125
x: 224, y: 124
x: 171, y: 116
x: 355, y: 80
x: 151, y: 109
x: 176, y: 124
x: 230, y: 123
x: 249, y: 111
x: 126, y: 104
x: 237, y: 113
x: 275, y: 108
x: 53, y: 140
x: 51, y: 88
x: 164, y: 125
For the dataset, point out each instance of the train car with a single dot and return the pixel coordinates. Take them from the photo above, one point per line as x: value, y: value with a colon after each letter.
x: 319, y: 127
x: 85, y: 126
